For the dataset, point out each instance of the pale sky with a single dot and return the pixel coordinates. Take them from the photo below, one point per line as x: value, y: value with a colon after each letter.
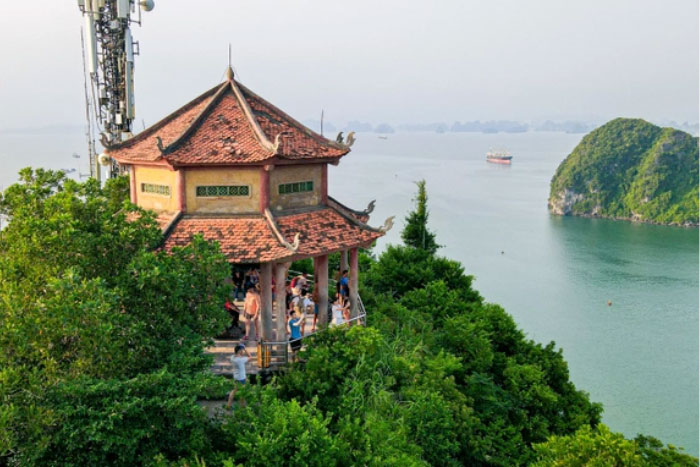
x: 377, y: 61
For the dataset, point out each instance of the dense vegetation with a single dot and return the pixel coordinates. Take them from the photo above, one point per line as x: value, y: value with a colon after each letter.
x: 630, y: 169
x: 101, y: 358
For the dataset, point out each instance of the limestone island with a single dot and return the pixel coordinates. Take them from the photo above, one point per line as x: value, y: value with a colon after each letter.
x: 633, y: 170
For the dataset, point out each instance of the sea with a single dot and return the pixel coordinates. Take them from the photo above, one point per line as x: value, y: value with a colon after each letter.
x: 620, y: 299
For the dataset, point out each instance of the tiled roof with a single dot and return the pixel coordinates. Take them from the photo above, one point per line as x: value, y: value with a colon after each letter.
x: 297, y: 141
x: 227, y: 125
x: 242, y: 240
x: 252, y: 240
x: 143, y: 147
x: 164, y: 219
x: 324, y: 231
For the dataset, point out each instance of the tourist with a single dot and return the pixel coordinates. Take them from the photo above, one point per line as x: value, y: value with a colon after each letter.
x: 294, y: 330
x: 303, y: 283
x: 251, y: 310
x: 314, y: 300
x: 337, y: 312
x: 344, y: 284
x: 238, y: 284
x: 238, y: 360
x: 234, y: 312
x: 296, y: 300
x: 307, y: 305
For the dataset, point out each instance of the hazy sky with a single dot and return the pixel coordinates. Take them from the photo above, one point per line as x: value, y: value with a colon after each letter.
x: 394, y: 61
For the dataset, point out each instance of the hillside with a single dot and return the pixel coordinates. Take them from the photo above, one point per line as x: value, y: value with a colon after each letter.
x: 630, y: 169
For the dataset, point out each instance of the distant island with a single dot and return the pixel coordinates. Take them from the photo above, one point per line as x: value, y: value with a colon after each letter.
x: 630, y: 169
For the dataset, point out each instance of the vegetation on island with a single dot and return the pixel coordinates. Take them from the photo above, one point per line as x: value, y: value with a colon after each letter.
x: 101, y: 357
x: 630, y: 169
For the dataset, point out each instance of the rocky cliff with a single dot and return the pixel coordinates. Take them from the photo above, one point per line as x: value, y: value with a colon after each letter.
x: 630, y: 169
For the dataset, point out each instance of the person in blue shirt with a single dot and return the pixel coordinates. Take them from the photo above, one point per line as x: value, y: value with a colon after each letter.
x: 238, y: 359
x: 294, y: 331
x: 344, y: 284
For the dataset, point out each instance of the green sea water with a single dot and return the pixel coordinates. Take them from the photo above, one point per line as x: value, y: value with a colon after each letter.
x: 555, y: 275
x: 639, y: 356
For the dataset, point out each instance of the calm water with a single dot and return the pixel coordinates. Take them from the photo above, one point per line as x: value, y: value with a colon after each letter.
x: 639, y: 357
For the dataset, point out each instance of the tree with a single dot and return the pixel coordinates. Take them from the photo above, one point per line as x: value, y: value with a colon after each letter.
x: 416, y: 234
x: 88, y: 310
x: 600, y: 446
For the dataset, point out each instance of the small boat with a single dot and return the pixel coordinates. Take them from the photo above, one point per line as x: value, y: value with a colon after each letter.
x: 383, y: 137
x: 499, y: 157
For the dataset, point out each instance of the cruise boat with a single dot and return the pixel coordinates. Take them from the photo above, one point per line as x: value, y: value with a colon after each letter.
x: 498, y: 157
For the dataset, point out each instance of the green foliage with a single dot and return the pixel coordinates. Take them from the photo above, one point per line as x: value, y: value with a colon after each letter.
x: 631, y: 169
x: 126, y: 421
x: 401, y: 269
x: 101, y: 358
x: 270, y: 431
x: 601, y: 447
x: 87, y: 303
x: 416, y: 234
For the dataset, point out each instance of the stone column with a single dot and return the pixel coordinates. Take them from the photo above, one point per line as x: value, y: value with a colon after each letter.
x: 132, y: 184
x: 266, y: 301
x: 324, y: 184
x: 343, y: 262
x: 181, y: 192
x: 264, y: 188
x: 281, y: 301
x: 321, y: 273
x: 353, y: 276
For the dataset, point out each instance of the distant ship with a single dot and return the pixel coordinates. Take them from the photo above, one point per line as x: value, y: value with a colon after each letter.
x: 498, y: 157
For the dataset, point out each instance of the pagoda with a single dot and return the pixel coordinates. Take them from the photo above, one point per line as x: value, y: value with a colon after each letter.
x: 234, y: 168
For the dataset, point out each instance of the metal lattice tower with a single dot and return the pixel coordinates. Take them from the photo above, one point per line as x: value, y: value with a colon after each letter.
x: 109, y: 54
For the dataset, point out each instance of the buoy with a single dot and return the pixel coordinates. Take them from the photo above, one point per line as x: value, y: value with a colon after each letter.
x: 502, y: 252
x: 609, y: 302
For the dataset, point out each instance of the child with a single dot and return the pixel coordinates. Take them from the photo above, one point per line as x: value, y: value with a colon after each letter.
x: 338, y: 311
x: 239, y: 359
x: 294, y: 329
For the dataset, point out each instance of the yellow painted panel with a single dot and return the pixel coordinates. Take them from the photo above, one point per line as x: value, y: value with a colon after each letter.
x: 156, y: 176
x: 223, y: 176
x: 291, y: 174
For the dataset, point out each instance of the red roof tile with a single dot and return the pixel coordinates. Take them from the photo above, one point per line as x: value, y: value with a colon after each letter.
x: 324, y: 231
x: 297, y: 141
x: 252, y: 240
x: 242, y: 240
x: 227, y: 125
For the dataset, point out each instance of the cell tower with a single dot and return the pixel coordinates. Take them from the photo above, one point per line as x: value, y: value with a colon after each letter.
x: 109, y: 53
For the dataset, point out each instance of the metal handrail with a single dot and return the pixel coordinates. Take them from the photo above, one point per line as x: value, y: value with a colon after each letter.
x: 266, y: 345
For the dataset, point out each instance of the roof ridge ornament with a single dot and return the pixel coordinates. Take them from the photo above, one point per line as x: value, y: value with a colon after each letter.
x: 349, y: 141
x: 388, y: 224
x: 229, y: 73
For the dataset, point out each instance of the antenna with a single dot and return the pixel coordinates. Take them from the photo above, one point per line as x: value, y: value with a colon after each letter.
x: 229, y: 55
x: 92, y: 156
x: 321, y: 122
x: 109, y: 51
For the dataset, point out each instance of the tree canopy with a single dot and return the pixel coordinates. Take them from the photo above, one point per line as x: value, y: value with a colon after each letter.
x: 416, y: 233
x: 101, y: 358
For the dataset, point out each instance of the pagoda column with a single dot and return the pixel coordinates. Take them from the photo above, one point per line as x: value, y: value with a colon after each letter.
x: 266, y: 300
x: 324, y: 184
x: 281, y: 301
x: 132, y: 183
x: 265, y: 187
x: 343, y: 262
x: 181, y: 196
x: 321, y: 273
x: 353, y: 276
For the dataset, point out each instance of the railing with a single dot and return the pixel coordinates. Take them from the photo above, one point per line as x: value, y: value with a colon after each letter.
x: 275, y: 353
